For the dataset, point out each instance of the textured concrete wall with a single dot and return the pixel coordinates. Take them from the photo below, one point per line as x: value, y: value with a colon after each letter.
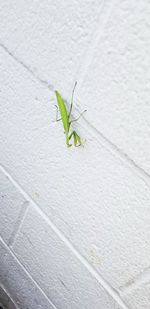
x: 75, y: 223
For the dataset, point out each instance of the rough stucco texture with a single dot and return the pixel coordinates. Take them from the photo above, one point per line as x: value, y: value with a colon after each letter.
x: 75, y: 223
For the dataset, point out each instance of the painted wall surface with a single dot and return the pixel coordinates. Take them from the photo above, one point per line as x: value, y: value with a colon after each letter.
x: 75, y: 223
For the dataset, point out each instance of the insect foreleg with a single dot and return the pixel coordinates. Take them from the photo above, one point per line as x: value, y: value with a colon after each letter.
x: 57, y: 114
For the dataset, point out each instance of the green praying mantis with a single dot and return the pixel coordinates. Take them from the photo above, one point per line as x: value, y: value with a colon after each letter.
x: 66, y: 119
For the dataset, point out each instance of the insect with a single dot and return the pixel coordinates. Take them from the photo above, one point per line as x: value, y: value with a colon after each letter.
x: 66, y: 119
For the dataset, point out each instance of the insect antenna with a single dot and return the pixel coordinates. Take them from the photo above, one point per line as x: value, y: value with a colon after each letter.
x: 72, y: 99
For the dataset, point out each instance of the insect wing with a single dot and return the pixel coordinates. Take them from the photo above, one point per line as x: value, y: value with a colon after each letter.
x: 63, y: 111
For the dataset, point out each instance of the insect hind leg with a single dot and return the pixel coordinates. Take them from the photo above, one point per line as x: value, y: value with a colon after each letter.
x: 76, y: 138
x: 57, y: 114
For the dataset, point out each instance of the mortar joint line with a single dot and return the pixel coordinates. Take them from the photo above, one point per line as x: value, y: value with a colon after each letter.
x: 27, y: 273
x: 113, y: 293
x: 109, y: 146
x: 18, y: 223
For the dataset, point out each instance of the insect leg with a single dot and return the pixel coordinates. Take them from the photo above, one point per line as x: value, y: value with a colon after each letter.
x: 67, y: 141
x: 76, y: 138
x: 71, y: 135
x: 57, y: 113
x: 79, y: 116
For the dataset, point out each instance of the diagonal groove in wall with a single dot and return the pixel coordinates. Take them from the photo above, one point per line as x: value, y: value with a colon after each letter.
x: 114, y: 294
x: 103, y: 17
x: 19, y: 222
x: 8, y: 296
x: 103, y: 140
x: 25, y: 66
x: 119, y: 153
x: 27, y: 273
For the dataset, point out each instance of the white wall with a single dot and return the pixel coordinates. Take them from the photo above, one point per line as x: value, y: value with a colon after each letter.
x: 75, y: 223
